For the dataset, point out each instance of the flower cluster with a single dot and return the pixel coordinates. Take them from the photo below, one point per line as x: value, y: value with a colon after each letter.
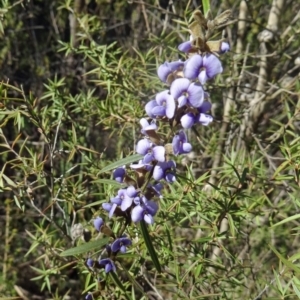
x: 182, y: 105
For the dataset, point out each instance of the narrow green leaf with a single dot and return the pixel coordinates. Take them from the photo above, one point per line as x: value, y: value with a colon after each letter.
x: 117, y: 281
x: 122, y: 162
x: 9, y: 181
x: 149, y: 246
x: 206, y: 6
x: 286, y: 262
x: 295, y: 256
x: 231, y: 225
x: 291, y: 218
x: 110, y: 182
x: 133, y: 281
x: 296, y: 289
x: 85, y: 247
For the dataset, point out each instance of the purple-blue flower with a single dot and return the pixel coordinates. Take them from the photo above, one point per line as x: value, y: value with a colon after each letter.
x: 165, y: 170
x: 149, y: 107
x: 204, y: 67
x: 187, y: 93
x: 180, y: 144
x: 145, y: 147
x: 90, y: 262
x: 225, y: 47
x: 115, y: 201
x: 131, y: 194
x: 145, y: 211
x: 119, y: 174
x: 167, y: 68
x: 89, y: 296
x: 107, y: 206
x: 146, y: 126
x: 141, y: 165
x: 165, y: 105
x: 108, y: 264
x: 156, y: 188
x: 120, y: 244
x: 98, y: 222
x: 191, y: 118
x: 185, y: 46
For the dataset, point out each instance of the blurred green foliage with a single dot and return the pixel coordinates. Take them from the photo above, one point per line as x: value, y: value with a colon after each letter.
x: 75, y: 78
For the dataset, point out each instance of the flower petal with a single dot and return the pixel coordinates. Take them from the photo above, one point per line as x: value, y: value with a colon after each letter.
x: 187, y: 120
x: 119, y: 174
x: 204, y: 119
x: 158, y: 172
x: 131, y: 191
x: 161, y: 97
x: 116, y: 245
x: 159, y: 153
x: 148, y: 158
x: 187, y: 147
x: 107, y: 206
x: 137, y: 214
x: 179, y: 86
x: 168, y: 67
x: 148, y: 219
x: 123, y: 249
x: 212, y: 65
x: 90, y: 262
x: 202, y: 77
x: 225, y: 47
x: 182, y: 100
x: 204, y: 107
x: 143, y: 146
x: 196, y: 95
x: 112, y: 210
x: 176, y: 144
x: 151, y: 207
x: 192, y: 66
x: 170, y: 107
x: 185, y: 47
x: 163, y: 72
x: 98, y: 222
x: 149, y: 106
x: 170, y: 177
x: 126, y: 203
x: 159, y: 111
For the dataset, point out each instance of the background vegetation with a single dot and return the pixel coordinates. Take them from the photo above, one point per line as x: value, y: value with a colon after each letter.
x: 75, y: 76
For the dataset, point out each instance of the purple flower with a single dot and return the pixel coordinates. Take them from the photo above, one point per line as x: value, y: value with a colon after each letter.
x: 120, y: 244
x: 180, y: 144
x: 116, y: 201
x: 107, y: 206
x: 98, y: 222
x: 89, y: 262
x: 146, y: 126
x: 166, y: 105
x: 167, y: 68
x: 189, y: 119
x: 141, y: 165
x: 108, y: 264
x: 204, y: 67
x: 127, y: 201
x: 187, y: 93
x: 89, y: 296
x: 149, y: 107
x: 225, y: 47
x: 165, y: 170
x: 145, y: 147
x: 119, y: 174
x: 156, y: 188
x: 145, y: 211
x: 185, y: 46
